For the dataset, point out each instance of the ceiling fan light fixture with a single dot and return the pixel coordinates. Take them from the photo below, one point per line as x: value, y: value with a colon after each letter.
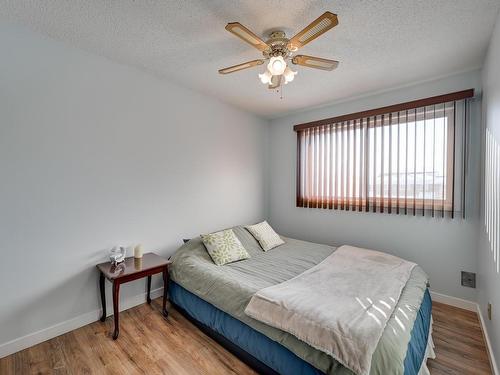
x: 278, y: 51
x: 277, y: 65
x: 265, y: 77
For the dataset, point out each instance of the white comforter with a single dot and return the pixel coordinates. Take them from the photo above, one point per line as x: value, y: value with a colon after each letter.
x: 340, y: 306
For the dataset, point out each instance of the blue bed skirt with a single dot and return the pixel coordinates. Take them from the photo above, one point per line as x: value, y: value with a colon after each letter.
x: 273, y: 354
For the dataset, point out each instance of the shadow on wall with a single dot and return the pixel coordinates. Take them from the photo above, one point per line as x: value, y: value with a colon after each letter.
x: 80, y: 291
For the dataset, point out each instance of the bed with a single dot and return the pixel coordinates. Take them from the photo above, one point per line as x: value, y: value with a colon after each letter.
x: 215, y: 298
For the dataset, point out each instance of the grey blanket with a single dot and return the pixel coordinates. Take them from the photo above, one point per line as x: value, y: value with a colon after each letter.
x: 340, y: 306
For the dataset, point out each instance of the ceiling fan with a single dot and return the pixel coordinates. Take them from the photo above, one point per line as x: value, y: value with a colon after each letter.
x: 278, y: 49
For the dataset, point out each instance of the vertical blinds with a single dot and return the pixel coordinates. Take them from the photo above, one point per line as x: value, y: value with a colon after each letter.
x: 409, y: 158
x: 491, y: 196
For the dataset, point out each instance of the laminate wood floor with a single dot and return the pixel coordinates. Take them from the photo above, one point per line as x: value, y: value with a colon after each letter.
x: 460, y: 346
x: 149, y: 344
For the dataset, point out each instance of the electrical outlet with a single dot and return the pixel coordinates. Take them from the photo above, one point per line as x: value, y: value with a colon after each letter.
x: 468, y: 279
x: 489, y: 310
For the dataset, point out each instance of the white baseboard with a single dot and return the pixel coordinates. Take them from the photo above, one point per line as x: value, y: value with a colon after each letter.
x: 493, y: 362
x: 58, y: 329
x: 454, y: 301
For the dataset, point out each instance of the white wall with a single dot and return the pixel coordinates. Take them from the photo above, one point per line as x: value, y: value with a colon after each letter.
x: 94, y: 154
x: 489, y: 279
x: 442, y: 247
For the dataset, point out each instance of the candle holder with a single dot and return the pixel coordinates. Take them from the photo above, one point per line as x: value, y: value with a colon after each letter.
x: 117, y: 255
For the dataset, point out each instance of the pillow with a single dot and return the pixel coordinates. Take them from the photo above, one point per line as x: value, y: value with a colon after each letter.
x: 266, y: 235
x: 224, y: 247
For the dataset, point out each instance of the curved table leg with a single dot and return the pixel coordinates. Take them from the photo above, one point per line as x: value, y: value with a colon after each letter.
x: 165, y: 291
x: 149, y: 290
x: 116, y: 297
x: 103, y: 296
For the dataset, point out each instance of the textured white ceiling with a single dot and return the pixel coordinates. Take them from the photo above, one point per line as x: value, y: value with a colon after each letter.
x: 380, y: 43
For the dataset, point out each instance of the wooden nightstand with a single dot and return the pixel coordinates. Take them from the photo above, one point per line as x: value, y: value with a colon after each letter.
x: 129, y: 270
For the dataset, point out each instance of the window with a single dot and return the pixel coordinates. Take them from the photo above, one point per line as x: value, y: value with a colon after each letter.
x: 406, y: 158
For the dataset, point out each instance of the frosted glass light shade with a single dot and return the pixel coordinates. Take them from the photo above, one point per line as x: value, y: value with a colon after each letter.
x: 265, y: 77
x: 289, y: 75
x: 277, y: 65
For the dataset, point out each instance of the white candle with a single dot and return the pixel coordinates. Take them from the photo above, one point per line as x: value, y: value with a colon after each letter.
x: 138, y: 251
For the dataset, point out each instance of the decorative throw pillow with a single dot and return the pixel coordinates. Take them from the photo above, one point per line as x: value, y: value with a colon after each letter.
x: 224, y: 247
x: 266, y: 235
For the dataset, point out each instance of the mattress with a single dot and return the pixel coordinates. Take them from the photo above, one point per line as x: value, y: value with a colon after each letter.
x: 229, y: 288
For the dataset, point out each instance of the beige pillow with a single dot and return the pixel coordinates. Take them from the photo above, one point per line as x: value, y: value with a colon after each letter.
x: 266, y: 235
x: 224, y: 247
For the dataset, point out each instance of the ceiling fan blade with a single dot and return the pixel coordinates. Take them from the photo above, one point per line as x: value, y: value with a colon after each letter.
x: 315, y: 62
x: 245, y: 65
x: 243, y: 33
x: 275, y: 82
x: 319, y: 26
